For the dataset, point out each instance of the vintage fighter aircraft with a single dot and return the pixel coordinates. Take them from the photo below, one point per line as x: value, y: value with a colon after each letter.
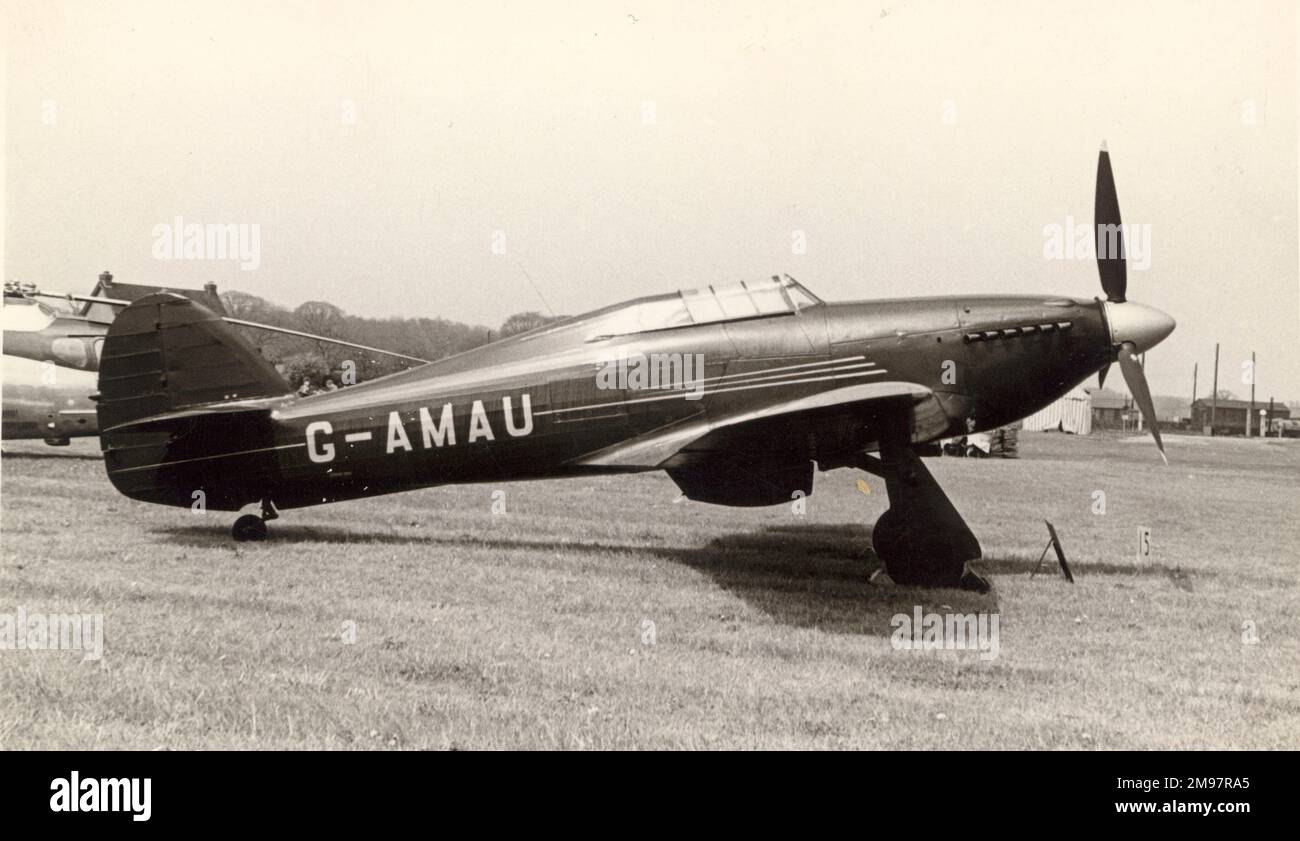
x: 757, y: 383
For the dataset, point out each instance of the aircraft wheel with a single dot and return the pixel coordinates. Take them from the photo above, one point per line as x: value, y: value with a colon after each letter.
x: 914, y: 557
x: 249, y: 527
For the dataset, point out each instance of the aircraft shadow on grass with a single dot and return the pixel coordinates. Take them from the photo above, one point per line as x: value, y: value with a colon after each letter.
x: 799, y: 575
x: 817, y: 576
x: 1018, y: 565
x: 802, y: 575
x: 74, y: 456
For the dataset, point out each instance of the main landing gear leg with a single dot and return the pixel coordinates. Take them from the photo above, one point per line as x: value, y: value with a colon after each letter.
x: 922, y: 539
x: 253, y: 526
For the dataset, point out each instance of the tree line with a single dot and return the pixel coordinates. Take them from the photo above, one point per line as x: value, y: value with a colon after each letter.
x: 312, y: 365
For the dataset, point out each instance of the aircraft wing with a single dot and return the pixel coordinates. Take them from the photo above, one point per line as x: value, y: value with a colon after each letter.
x: 678, y: 444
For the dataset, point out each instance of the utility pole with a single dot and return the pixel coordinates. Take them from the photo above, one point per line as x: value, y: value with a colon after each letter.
x: 1250, y: 416
x: 1191, y: 410
x: 1214, y: 397
x: 1143, y: 363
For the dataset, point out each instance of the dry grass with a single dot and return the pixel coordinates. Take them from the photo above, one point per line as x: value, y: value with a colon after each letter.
x: 525, y: 629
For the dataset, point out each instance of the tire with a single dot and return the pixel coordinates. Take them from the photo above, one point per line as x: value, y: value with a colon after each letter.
x: 912, y: 557
x: 249, y: 527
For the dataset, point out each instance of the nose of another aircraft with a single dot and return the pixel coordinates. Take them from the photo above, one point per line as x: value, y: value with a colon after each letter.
x: 1143, y: 326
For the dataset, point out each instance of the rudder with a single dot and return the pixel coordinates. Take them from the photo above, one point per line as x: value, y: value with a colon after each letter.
x: 183, y: 407
x: 165, y: 352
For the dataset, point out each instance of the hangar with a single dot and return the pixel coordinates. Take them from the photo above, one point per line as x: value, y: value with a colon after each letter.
x: 1071, y: 413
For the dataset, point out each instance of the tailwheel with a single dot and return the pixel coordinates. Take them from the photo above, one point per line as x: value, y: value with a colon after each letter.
x: 249, y: 527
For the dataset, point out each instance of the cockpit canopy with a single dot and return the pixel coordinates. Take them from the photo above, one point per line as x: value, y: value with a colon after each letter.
x: 730, y: 302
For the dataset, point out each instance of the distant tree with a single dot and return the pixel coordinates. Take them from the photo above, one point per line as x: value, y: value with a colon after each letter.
x: 1224, y: 394
x: 319, y: 317
x: 325, y: 319
x: 248, y: 307
x: 522, y: 322
x: 299, y: 358
x: 273, y: 346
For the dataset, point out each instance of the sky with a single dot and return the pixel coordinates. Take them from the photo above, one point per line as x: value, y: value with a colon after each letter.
x: 470, y: 161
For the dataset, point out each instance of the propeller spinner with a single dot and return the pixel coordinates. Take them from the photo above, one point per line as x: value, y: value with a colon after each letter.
x: 1134, y: 328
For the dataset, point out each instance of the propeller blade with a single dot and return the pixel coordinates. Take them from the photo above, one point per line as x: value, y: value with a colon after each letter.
x: 1101, y: 376
x: 1109, y: 235
x: 1137, y: 385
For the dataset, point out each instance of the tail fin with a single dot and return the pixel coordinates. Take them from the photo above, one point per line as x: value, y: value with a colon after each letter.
x: 179, y: 408
x: 165, y: 352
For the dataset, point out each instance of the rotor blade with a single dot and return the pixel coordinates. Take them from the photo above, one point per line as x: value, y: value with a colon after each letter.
x: 1137, y: 385
x: 120, y: 303
x: 82, y: 299
x: 1109, y: 236
x: 303, y: 335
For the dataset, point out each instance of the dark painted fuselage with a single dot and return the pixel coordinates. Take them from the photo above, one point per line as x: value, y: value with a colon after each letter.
x: 537, y: 405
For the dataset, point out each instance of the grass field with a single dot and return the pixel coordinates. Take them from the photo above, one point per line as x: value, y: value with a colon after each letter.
x: 531, y: 628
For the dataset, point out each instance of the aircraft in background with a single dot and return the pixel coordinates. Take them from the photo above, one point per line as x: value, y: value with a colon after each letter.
x: 757, y: 384
x: 52, y: 345
x: 47, y: 394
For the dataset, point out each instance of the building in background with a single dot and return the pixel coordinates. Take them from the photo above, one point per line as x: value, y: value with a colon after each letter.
x: 1084, y: 410
x: 106, y: 287
x: 1111, y: 409
x: 1230, y: 416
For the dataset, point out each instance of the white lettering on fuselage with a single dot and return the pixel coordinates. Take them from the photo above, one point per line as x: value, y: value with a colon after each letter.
x: 434, y: 431
x: 316, y: 451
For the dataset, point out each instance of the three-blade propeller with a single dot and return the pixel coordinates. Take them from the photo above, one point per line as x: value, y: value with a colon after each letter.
x: 1134, y: 328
